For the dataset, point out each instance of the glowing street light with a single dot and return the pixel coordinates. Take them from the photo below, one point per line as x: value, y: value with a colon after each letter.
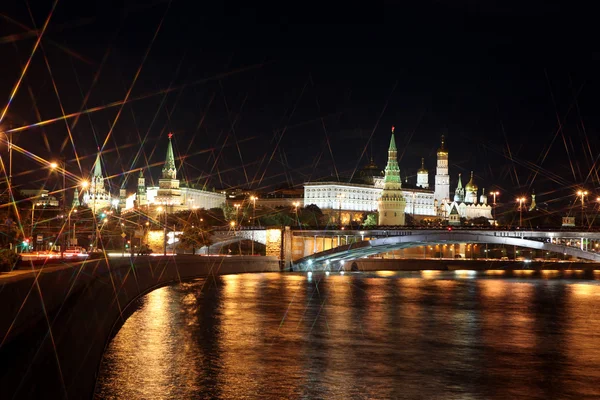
x: 582, y: 194
x: 494, y: 193
x: 521, y: 200
x: 253, y: 199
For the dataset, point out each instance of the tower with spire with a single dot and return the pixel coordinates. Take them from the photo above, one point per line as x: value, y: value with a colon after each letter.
x: 459, y: 193
x: 442, y: 179
x: 168, y: 185
x: 423, y: 176
x: 75, y: 202
x: 392, y: 202
x: 98, y: 198
x: 141, y: 195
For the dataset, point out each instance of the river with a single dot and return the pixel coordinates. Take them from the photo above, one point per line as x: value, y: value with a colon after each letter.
x: 381, y: 335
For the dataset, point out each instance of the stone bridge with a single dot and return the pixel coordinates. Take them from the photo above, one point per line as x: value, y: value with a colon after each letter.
x: 300, y: 245
x: 56, y: 321
x: 370, y: 243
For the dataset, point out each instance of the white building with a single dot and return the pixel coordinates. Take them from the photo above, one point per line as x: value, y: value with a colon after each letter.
x: 97, y: 197
x: 349, y: 200
x: 170, y: 194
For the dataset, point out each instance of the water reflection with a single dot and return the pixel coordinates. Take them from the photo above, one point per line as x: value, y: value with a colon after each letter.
x: 381, y: 335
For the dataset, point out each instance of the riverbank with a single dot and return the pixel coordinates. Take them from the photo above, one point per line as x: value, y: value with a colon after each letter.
x: 368, y: 264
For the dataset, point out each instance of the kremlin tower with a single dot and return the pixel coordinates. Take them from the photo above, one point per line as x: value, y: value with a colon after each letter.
x: 392, y: 202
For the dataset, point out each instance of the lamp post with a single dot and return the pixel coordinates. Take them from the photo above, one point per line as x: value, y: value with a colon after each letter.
x: 253, y: 198
x: 521, y: 200
x: 582, y: 194
x: 296, y: 204
x: 495, y: 193
x: 340, y: 197
x: 237, y: 210
x: 160, y: 210
x: 62, y: 166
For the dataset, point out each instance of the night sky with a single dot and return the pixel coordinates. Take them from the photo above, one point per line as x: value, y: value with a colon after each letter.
x: 258, y: 98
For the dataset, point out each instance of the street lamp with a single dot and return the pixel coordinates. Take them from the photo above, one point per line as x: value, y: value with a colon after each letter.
x: 296, y: 204
x: 495, y: 193
x: 582, y: 194
x: 160, y: 210
x: 237, y: 210
x: 253, y: 198
x: 521, y: 200
x: 55, y: 165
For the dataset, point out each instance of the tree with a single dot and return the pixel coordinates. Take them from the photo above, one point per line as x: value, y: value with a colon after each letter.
x: 194, y: 238
x: 480, y: 221
x: 311, y: 216
x: 8, y: 260
x: 370, y: 221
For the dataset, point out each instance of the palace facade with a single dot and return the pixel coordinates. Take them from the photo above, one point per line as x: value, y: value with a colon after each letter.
x: 384, y: 193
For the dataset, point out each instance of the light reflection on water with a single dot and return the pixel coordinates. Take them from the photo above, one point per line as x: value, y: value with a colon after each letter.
x: 382, y: 335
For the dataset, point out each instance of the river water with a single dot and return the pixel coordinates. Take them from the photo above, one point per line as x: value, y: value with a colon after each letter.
x: 384, y: 335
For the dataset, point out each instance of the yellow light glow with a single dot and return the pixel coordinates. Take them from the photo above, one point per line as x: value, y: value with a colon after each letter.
x: 53, y: 165
x: 85, y: 184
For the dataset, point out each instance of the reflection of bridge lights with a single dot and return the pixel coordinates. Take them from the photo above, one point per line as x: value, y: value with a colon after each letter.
x: 309, y: 273
x: 327, y: 273
x: 342, y: 272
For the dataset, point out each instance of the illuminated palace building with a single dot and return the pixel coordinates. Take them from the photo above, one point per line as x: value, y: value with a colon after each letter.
x: 384, y: 193
x: 168, y: 195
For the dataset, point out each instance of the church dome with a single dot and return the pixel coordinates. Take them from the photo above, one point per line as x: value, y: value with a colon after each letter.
x: 442, y: 149
x: 422, y: 170
x: 471, y: 186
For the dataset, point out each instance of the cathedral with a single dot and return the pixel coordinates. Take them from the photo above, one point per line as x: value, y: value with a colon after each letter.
x: 385, y: 194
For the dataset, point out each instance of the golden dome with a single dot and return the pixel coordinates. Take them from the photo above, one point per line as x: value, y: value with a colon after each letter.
x: 422, y: 170
x: 471, y: 186
x: 442, y: 149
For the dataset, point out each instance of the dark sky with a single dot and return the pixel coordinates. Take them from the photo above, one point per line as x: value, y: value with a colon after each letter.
x: 259, y: 97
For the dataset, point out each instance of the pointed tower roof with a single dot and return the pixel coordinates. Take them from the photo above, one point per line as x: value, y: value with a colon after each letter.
x: 422, y: 170
x: 141, y: 173
x: 169, y: 167
x: 392, y: 142
x: 392, y: 170
x: 459, y: 186
x: 97, y: 166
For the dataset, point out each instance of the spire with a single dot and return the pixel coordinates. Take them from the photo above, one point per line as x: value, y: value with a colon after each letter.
x: 392, y: 170
x: 392, y: 142
x: 97, y: 167
x: 169, y: 170
x: 422, y: 170
x: 75, y: 199
x: 459, y: 193
x: 442, y: 148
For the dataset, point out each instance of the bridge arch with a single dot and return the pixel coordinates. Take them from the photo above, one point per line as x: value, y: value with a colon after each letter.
x: 382, y: 245
x: 67, y: 314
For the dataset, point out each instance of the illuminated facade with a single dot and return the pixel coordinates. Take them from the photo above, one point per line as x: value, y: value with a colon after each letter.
x: 97, y: 197
x: 349, y: 200
x: 169, y: 193
x: 392, y: 203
